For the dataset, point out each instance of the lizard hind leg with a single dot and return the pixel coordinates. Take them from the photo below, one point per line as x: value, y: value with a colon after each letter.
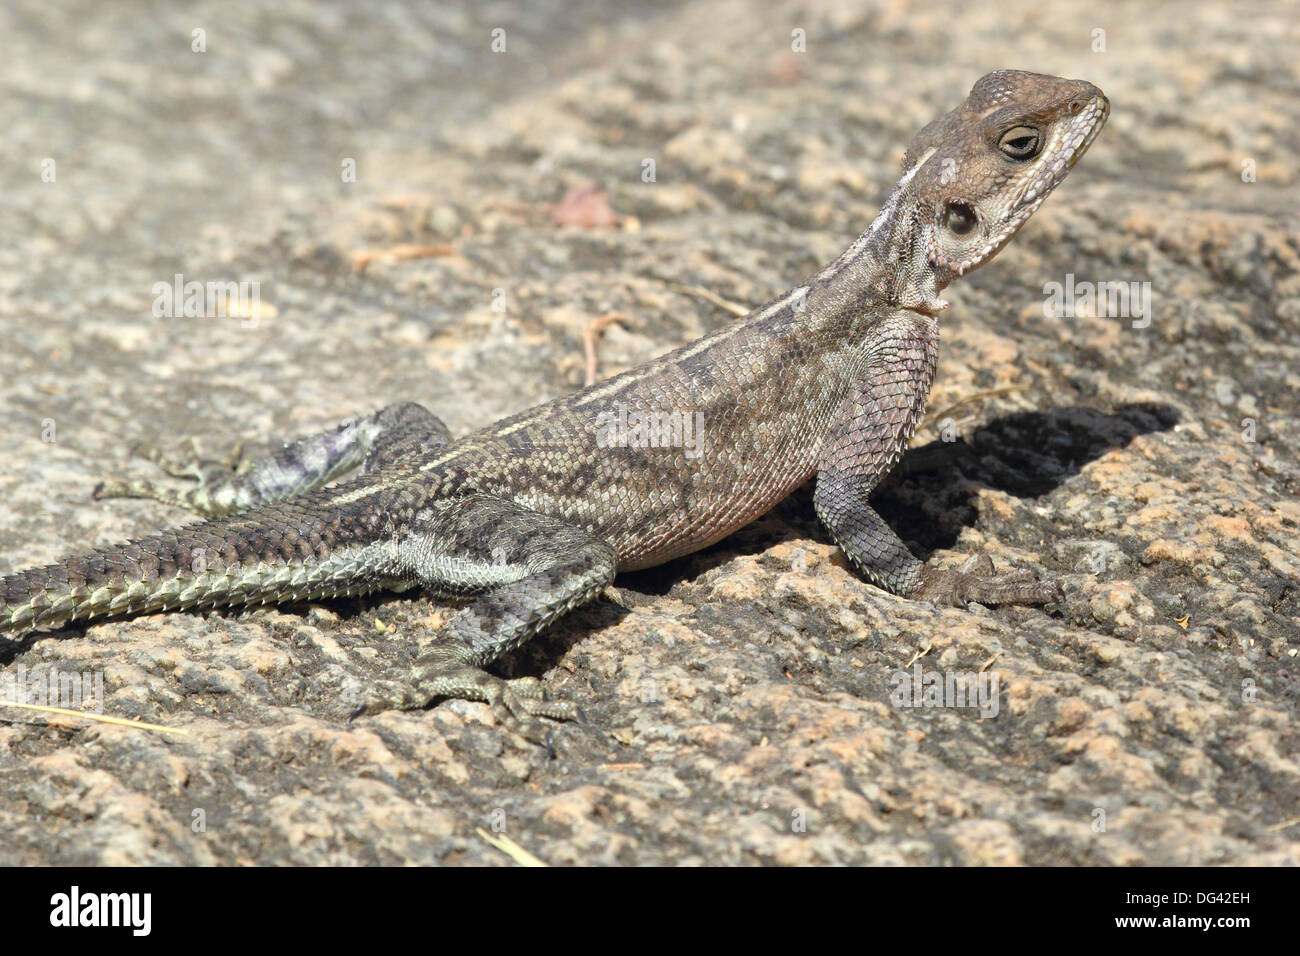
x: 400, y: 429
x: 523, y: 570
x: 294, y: 468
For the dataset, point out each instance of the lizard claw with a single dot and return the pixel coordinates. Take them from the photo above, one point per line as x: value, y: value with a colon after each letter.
x: 976, y: 581
x: 516, y: 704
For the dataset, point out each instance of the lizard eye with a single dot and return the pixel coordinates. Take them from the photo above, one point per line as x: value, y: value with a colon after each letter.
x: 959, y: 217
x: 1020, y: 142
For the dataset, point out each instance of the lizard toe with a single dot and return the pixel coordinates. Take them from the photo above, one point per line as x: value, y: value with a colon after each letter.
x: 379, y: 701
x: 976, y: 581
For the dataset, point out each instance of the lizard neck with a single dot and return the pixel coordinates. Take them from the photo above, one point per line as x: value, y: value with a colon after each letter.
x: 890, y: 262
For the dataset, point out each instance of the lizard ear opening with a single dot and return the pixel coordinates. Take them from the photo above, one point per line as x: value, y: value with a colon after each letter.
x: 959, y: 218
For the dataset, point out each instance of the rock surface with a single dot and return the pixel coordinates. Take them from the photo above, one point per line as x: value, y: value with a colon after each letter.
x: 742, y: 701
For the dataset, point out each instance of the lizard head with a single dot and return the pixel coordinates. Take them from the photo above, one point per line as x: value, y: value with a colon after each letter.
x: 980, y: 171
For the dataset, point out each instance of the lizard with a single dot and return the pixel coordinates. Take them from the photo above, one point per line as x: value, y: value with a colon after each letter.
x: 526, y: 519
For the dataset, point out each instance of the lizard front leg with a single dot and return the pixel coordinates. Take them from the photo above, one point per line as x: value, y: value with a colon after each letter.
x: 292, y: 469
x: 870, y: 430
x: 524, y: 570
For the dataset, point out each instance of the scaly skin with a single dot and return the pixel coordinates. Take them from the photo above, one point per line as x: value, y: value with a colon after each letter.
x: 537, y: 513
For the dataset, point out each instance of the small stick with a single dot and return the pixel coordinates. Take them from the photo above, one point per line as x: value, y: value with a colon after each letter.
x: 590, y: 335
x: 363, y: 257
x: 735, y: 308
x: 941, y: 415
x: 101, y: 718
x: 510, y: 848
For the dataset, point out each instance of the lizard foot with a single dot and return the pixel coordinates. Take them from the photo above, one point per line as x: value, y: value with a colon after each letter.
x: 976, y: 581
x: 516, y: 704
x: 205, y: 471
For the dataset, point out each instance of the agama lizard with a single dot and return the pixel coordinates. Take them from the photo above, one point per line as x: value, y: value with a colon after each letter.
x: 534, y: 515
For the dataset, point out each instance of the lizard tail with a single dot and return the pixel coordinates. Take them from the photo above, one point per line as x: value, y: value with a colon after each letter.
x: 275, y: 553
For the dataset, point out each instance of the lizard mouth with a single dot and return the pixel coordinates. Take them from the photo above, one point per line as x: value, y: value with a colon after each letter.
x: 1083, y: 129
